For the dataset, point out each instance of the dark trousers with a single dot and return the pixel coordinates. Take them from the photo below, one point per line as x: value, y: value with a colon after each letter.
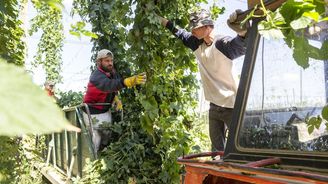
x: 218, y: 117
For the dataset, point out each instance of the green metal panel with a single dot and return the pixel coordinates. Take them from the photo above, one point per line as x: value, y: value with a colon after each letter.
x: 70, y: 147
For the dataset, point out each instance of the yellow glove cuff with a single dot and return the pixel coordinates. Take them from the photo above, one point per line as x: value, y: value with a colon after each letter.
x: 135, y: 80
x: 119, y: 105
x: 130, y: 82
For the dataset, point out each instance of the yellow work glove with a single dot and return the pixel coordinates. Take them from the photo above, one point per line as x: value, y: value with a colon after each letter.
x: 118, y: 103
x: 135, y: 80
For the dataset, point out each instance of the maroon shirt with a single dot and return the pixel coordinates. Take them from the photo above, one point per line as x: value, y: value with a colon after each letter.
x: 102, y: 88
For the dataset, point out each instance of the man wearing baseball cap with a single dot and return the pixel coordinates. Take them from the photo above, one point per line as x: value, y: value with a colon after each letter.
x: 49, y: 88
x: 214, y: 54
x: 102, y: 93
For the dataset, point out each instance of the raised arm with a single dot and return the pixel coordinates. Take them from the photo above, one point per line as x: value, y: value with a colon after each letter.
x: 186, y: 37
x: 163, y: 20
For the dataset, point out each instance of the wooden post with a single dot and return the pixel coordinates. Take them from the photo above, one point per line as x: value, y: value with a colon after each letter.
x: 269, y: 4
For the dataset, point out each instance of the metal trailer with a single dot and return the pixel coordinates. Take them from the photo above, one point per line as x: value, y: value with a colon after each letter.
x: 68, y: 151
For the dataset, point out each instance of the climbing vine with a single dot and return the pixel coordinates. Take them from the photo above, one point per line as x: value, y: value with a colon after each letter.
x: 158, y: 116
x: 69, y: 99
x: 12, y: 46
x: 49, y: 21
x: 15, y: 160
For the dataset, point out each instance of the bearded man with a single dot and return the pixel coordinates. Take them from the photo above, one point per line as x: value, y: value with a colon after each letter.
x: 102, y: 94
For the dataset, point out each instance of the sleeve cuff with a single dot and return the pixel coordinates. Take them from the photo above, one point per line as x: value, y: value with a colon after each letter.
x: 170, y: 26
x: 241, y: 38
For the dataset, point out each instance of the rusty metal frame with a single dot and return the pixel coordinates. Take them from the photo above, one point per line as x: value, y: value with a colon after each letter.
x: 198, y: 170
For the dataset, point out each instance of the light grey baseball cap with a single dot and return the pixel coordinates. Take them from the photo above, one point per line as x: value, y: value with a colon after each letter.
x: 104, y: 53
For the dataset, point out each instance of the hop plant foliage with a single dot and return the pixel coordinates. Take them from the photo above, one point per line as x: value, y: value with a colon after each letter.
x: 158, y: 115
x: 12, y: 46
x: 49, y: 21
x: 292, y: 22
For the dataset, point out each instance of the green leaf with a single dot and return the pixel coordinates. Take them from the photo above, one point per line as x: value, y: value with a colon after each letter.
x: 300, y: 23
x: 270, y: 33
x: 310, y: 129
x: 74, y: 33
x: 314, y: 52
x: 2, y: 7
x: 300, y: 52
x: 25, y: 107
x: 318, y: 122
x: 312, y: 15
x: 55, y: 4
x: 147, y: 124
x: 80, y: 25
x: 90, y: 34
x: 311, y: 123
x: 314, y: 122
x: 324, y: 113
x: 216, y: 10
x: 277, y: 18
x: 323, y: 50
x: 151, y: 107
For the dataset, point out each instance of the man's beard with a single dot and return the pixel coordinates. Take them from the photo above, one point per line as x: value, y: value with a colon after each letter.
x: 106, y: 69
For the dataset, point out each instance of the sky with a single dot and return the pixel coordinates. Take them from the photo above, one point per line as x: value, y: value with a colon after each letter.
x: 77, y: 52
x: 75, y: 56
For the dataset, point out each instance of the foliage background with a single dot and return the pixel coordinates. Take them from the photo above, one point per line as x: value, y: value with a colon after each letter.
x: 157, y: 126
x: 17, y: 160
x: 160, y: 124
x: 11, y: 38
